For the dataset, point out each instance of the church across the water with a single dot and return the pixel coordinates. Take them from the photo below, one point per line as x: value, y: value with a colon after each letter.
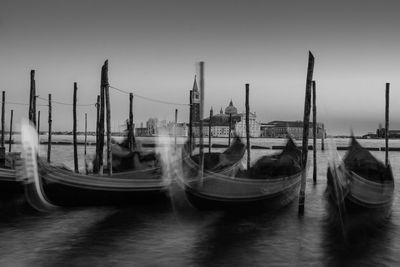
x: 221, y: 121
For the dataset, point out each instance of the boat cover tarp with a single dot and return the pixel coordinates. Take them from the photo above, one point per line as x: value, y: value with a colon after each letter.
x: 286, y: 163
x: 362, y: 162
x: 125, y: 160
x: 217, y: 161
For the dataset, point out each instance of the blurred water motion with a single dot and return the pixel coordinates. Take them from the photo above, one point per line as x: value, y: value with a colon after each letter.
x: 175, y: 234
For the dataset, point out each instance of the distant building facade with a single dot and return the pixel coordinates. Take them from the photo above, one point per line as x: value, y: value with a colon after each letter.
x: 169, y: 129
x: 380, y: 133
x: 220, y: 124
x: 280, y: 129
x: 142, y: 131
x: 254, y: 126
x: 152, y: 125
x: 156, y: 128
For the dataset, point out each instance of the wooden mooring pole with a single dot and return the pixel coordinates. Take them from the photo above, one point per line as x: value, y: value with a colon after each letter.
x: 230, y: 129
x: 86, y: 165
x: 209, y: 131
x: 84, y: 151
x: 74, y: 130
x: 38, y: 125
x: 108, y: 117
x: 2, y: 148
x: 32, y: 95
x: 101, y: 124
x: 387, y: 125
x: 306, y: 125
x: 248, y: 126
x: 323, y: 138
x: 11, y: 131
x: 190, y: 133
x: 314, y: 109
x: 131, y: 135
x: 3, y: 104
x: 96, y: 163
x: 201, y: 118
x: 49, y: 134
x: 175, y: 126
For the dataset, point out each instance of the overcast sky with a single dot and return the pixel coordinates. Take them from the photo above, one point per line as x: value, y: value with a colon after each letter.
x: 152, y: 47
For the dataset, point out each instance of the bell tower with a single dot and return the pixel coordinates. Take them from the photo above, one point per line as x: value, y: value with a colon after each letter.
x: 196, y: 101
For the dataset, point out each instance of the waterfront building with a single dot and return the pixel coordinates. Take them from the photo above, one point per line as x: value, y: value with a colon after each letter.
x: 380, y: 133
x: 220, y: 124
x: 169, y: 129
x: 162, y: 128
x: 152, y: 125
x: 280, y: 129
x: 141, y: 131
x: 254, y: 125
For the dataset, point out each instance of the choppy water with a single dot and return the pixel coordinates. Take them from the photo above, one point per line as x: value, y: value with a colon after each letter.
x: 176, y: 234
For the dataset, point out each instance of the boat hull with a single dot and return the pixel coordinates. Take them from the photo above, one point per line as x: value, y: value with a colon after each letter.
x: 65, y: 195
x: 9, y: 186
x: 62, y: 187
x: 266, y: 202
x: 354, y: 203
x: 216, y: 191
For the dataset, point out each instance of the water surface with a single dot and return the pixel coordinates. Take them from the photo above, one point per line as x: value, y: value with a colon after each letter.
x: 176, y: 234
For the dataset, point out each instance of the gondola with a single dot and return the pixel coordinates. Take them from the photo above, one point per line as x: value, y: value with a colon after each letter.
x: 47, y: 185
x: 8, y: 184
x: 359, y: 190
x: 225, y: 163
x: 271, y: 183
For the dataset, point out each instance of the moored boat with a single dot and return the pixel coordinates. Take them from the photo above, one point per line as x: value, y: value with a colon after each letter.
x: 359, y: 190
x: 60, y: 186
x: 8, y: 184
x: 271, y: 183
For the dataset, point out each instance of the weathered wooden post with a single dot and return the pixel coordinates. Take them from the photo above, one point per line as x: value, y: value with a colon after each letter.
x: 30, y: 95
x: 34, y: 103
x: 31, y: 98
x: 387, y: 125
x: 131, y: 135
x: 86, y: 165
x: 191, y: 122
x: 101, y: 124
x: 38, y: 125
x: 175, y: 126
x: 49, y: 136
x: 247, y: 126
x: 230, y: 129
x: 74, y: 130
x: 2, y: 148
x: 323, y: 138
x: 10, y: 136
x: 84, y: 151
x: 3, y: 104
x: 108, y: 117
x: 201, y: 118
x: 209, y: 131
x: 96, y: 162
x: 306, y: 125
x: 314, y: 132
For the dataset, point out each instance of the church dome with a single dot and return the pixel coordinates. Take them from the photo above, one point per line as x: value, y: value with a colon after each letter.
x: 231, y: 109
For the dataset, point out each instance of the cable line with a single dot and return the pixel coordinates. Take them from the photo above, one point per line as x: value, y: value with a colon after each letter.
x: 149, y: 98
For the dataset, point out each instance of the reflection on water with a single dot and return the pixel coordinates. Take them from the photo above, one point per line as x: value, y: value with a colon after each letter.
x: 175, y: 234
x: 365, y: 248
